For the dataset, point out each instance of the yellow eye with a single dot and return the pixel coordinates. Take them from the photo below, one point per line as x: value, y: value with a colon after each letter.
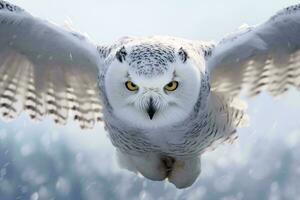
x: 131, y: 86
x: 172, y: 86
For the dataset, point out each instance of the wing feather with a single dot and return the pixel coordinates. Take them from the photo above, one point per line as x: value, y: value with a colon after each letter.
x: 265, y: 57
x: 46, y: 70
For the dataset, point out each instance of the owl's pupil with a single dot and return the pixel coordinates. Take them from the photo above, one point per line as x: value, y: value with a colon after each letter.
x: 170, y: 84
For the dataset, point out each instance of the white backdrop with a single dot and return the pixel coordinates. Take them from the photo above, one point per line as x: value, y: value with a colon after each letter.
x: 46, y: 161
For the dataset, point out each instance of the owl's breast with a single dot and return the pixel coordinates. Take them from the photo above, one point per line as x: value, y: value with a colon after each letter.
x: 212, y: 126
x: 173, y: 141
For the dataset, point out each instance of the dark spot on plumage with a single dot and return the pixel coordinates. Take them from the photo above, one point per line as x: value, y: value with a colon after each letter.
x: 287, y: 11
x: 207, y: 52
x: 78, y: 36
x: 121, y: 54
x: 71, y: 100
x: 151, y: 59
x: 29, y: 98
x: 29, y: 107
x: 104, y: 51
x: 51, y: 102
x: 291, y: 76
x: 9, y: 7
x: 183, y: 55
x: 8, y: 106
x: 50, y: 93
x: 32, y: 116
x: 31, y: 91
x: 8, y: 97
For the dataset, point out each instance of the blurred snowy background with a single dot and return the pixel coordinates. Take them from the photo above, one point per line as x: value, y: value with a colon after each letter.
x: 45, y: 161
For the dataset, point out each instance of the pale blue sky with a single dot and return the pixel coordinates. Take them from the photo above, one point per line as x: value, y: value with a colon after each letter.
x: 195, y: 19
x: 45, y: 161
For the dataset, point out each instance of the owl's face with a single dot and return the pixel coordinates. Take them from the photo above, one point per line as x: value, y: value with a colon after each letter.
x: 152, y: 85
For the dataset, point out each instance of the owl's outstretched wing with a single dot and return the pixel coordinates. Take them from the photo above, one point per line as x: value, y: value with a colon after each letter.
x: 265, y: 57
x: 46, y: 70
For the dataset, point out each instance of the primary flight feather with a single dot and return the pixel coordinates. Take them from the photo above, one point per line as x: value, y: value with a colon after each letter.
x: 163, y: 100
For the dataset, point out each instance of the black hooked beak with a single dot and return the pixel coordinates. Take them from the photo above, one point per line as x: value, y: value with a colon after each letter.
x: 151, y: 108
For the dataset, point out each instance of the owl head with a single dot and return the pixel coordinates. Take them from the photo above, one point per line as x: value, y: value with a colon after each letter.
x: 150, y: 83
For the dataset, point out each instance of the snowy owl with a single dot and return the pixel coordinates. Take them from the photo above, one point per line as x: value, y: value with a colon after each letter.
x: 163, y: 100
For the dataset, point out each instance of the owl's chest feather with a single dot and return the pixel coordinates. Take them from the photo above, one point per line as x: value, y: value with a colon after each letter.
x: 187, y: 138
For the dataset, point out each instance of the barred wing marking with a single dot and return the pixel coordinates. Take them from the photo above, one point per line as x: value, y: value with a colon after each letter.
x: 46, y: 70
x: 266, y: 57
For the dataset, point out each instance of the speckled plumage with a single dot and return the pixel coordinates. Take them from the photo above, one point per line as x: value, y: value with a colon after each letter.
x: 151, y: 59
x: 155, y: 55
x: 46, y: 70
x: 9, y: 7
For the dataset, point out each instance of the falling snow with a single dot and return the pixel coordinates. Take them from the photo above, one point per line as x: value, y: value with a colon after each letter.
x: 44, y: 161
